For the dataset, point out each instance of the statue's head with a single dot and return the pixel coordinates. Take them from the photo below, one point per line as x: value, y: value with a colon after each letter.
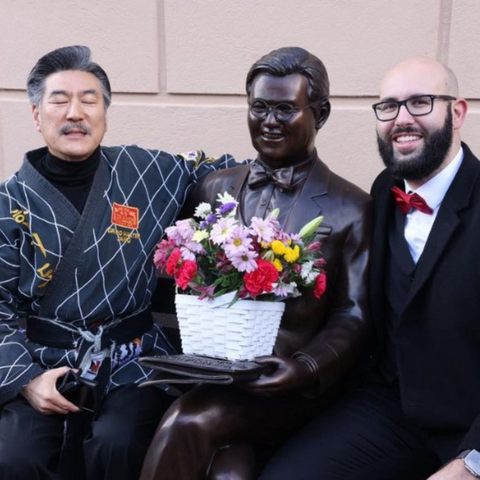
x: 289, y: 60
x: 288, y: 97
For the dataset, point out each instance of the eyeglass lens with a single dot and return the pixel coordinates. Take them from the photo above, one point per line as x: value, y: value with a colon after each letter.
x: 421, y: 105
x: 281, y: 111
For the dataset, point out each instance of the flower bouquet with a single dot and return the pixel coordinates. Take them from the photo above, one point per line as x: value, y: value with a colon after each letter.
x: 228, y: 270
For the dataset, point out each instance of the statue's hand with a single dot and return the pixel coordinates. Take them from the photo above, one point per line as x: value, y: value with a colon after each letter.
x: 286, y: 376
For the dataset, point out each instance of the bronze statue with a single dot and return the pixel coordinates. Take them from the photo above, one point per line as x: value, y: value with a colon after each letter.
x: 214, y: 431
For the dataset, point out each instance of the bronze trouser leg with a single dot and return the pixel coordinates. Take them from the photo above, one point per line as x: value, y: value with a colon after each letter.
x: 235, y: 462
x: 210, y: 417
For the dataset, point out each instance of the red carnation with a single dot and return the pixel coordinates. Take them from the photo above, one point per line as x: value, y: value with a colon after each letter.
x: 320, y: 285
x: 186, y: 273
x: 171, y: 266
x: 261, y: 279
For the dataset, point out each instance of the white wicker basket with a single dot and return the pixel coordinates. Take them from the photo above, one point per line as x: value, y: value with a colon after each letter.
x: 243, y: 331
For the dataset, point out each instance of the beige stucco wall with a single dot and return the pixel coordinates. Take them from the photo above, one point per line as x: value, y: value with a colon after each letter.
x: 177, y: 67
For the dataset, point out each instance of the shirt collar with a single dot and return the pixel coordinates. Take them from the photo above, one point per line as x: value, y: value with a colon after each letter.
x: 435, y: 189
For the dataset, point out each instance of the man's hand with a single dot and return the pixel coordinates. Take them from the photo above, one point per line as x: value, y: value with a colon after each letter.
x: 43, y: 396
x: 453, y: 471
x: 288, y: 376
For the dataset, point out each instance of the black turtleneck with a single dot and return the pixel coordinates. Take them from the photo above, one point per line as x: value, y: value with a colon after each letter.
x: 72, y: 179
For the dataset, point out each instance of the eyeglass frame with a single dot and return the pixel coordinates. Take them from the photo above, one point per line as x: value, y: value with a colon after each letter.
x: 404, y: 104
x: 273, y: 108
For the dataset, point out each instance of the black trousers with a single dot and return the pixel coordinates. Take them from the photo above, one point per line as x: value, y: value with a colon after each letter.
x: 363, y: 437
x: 30, y: 443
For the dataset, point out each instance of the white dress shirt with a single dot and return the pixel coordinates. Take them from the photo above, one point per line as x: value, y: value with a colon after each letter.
x: 418, y: 224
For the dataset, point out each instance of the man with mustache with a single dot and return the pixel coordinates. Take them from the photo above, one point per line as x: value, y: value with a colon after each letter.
x: 213, y: 431
x: 79, y: 223
x: 417, y: 413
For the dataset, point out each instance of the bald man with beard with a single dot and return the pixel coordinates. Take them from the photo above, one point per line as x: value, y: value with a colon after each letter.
x: 416, y: 415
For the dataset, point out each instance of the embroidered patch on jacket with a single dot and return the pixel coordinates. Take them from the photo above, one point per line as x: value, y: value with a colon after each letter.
x: 20, y: 216
x: 124, y: 216
x: 193, y: 156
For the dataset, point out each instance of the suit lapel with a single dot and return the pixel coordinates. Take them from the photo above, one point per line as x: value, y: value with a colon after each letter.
x: 315, y: 187
x: 236, y: 182
x: 447, y: 221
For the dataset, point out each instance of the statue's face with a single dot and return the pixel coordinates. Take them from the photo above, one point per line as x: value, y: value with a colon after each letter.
x: 281, y: 142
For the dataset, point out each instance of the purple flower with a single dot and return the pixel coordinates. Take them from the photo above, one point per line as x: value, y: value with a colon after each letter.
x: 205, y: 292
x: 226, y: 208
x: 208, y: 221
x: 223, y: 264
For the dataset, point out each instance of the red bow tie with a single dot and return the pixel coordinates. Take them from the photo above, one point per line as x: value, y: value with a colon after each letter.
x: 407, y: 201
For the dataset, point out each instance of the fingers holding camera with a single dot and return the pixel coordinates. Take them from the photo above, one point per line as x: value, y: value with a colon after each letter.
x: 43, y: 396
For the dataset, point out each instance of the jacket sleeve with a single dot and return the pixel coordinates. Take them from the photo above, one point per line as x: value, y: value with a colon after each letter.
x: 472, y: 439
x: 338, y: 346
x: 16, y: 365
x: 200, y: 165
x: 209, y: 186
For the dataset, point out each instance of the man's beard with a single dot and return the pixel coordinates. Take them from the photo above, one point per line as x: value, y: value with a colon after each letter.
x: 425, y: 162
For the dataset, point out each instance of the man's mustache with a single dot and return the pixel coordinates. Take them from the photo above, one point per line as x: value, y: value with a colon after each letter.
x: 397, y: 130
x: 75, y: 126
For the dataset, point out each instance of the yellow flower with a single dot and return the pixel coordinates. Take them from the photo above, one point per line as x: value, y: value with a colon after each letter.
x: 292, y: 254
x: 278, y: 264
x: 278, y: 247
x: 199, y: 235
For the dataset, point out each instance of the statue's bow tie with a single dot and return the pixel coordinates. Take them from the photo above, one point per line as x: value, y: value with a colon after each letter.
x: 407, y: 201
x: 281, y: 177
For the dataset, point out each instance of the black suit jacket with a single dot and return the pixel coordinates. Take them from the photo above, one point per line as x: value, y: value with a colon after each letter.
x: 330, y: 331
x: 438, y: 332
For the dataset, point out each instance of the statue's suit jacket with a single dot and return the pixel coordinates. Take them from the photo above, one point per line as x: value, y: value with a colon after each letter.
x: 438, y: 331
x: 329, y: 332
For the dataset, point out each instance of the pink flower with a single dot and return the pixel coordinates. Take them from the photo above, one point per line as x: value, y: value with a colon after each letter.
x: 182, y: 232
x: 222, y: 231
x: 190, y: 250
x: 263, y: 229
x: 243, y: 259
x: 239, y: 240
x: 319, y: 263
x: 297, y: 268
x: 320, y: 285
x: 314, y: 247
x: 161, y: 253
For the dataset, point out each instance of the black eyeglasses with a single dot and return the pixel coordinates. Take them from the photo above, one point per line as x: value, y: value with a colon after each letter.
x: 281, y: 111
x: 417, y: 106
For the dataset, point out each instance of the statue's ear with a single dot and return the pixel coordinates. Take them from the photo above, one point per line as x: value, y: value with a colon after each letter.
x: 324, y: 114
